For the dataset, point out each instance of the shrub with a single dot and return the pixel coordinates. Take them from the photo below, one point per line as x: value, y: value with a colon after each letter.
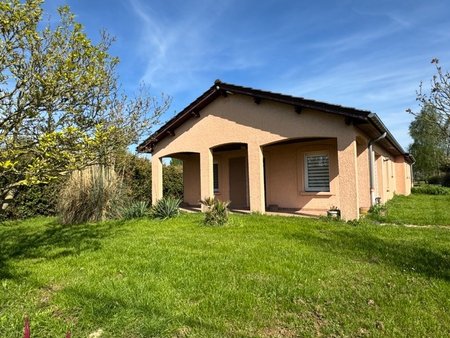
x: 378, y: 212
x: 428, y: 189
x: 216, y: 211
x: 435, y: 180
x: 446, y: 180
x: 166, y: 207
x: 91, y: 195
x: 135, y: 210
x: 137, y: 176
x: 173, y: 180
x: 136, y: 173
x: 36, y: 200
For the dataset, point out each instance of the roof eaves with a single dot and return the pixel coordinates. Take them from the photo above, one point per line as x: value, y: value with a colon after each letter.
x: 147, y: 145
x: 376, y: 121
x: 220, y: 87
x: 296, y: 101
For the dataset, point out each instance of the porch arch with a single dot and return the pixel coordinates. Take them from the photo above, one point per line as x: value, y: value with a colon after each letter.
x: 191, y: 176
x: 285, y: 175
x: 230, y: 174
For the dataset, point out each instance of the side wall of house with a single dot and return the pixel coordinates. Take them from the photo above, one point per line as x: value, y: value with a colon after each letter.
x: 391, y: 179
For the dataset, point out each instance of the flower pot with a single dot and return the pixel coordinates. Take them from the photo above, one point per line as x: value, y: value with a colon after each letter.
x: 334, y: 214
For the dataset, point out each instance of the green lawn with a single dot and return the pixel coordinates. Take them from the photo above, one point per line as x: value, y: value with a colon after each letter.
x: 260, y: 276
x: 419, y: 209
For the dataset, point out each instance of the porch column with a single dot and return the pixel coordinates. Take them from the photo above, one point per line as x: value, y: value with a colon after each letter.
x: 348, y: 176
x: 157, y: 179
x: 206, y: 174
x: 256, y: 178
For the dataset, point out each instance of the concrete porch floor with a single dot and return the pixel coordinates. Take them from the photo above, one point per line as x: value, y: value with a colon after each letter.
x: 287, y: 213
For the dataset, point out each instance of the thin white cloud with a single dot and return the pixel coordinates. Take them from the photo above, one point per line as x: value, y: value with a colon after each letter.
x: 181, y: 50
x: 377, y: 68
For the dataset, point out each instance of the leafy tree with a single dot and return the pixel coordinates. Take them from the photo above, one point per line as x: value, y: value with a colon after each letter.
x: 60, y: 103
x: 438, y: 97
x: 176, y: 162
x: 429, y: 143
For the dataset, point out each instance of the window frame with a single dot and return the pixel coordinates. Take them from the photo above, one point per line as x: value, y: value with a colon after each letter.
x: 307, y: 188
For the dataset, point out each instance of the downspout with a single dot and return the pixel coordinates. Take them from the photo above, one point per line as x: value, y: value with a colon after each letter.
x: 371, y: 168
x: 412, y: 173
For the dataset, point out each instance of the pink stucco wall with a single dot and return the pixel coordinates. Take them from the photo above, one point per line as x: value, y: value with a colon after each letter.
x: 285, y: 174
x: 238, y: 119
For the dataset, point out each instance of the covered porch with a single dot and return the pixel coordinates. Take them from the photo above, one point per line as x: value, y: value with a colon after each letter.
x: 294, y: 176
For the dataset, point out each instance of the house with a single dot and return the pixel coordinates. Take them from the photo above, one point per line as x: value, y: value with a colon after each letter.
x: 268, y: 151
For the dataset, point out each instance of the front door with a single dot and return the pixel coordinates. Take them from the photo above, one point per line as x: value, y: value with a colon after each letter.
x: 238, y: 182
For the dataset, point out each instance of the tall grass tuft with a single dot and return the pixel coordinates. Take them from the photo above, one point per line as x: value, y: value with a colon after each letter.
x: 91, y: 195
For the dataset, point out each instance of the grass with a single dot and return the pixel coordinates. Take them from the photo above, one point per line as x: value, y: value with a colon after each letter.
x: 419, y: 209
x: 260, y: 276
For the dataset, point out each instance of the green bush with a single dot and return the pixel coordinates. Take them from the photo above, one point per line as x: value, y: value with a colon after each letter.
x: 91, y: 195
x: 136, y: 173
x: 446, y: 180
x: 435, y: 180
x: 166, y: 207
x: 137, y: 176
x: 37, y: 200
x: 135, y: 210
x: 216, y: 213
x: 378, y: 212
x: 429, y: 189
x: 173, y: 181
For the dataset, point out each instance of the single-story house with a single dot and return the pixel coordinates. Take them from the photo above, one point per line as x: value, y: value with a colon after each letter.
x: 265, y: 151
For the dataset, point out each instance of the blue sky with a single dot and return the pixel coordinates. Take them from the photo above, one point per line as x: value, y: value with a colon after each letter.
x: 366, y: 54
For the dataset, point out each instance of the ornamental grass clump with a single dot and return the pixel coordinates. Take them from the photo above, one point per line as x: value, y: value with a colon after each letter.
x: 91, y: 195
x: 216, y: 213
x: 167, y: 207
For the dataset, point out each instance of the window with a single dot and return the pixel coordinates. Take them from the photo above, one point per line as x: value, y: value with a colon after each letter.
x: 317, y: 173
x: 216, y: 176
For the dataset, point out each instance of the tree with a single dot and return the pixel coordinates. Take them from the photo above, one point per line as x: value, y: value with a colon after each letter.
x: 429, y: 143
x: 439, y: 98
x: 60, y: 103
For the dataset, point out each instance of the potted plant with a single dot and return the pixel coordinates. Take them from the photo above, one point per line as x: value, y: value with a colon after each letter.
x: 334, y: 212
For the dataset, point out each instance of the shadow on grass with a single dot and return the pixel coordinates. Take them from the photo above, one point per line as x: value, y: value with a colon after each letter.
x: 50, y: 241
x: 154, y: 318
x: 411, y: 256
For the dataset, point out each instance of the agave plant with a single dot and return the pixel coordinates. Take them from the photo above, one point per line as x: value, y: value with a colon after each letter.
x: 135, y: 210
x: 166, y: 207
x: 208, y: 202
